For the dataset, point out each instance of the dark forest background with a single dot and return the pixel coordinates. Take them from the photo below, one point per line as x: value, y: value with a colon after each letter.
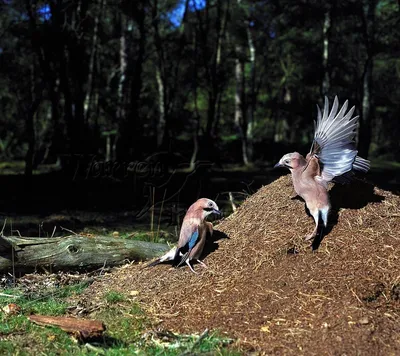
x: 101, y: 89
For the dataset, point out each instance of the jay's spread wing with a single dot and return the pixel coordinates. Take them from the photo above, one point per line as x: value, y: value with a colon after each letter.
x: 187, y: 240
x: 334, y: 143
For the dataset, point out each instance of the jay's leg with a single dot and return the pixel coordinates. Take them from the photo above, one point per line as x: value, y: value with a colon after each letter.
x: 202, y: 264
x: 191, y: 268
x: 324, y: 216
x: 311, y: 236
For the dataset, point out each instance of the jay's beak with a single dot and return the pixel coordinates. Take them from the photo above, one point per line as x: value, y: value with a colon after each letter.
x: 215, y: 211
x: 279, y: 164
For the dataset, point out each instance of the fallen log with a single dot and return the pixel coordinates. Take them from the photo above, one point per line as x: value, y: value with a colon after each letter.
x: 80, y: 328
x: 73, y: 252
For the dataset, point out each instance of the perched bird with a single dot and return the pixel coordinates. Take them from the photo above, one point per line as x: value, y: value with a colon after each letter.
x: 333, y: 157
x: 192, y: 236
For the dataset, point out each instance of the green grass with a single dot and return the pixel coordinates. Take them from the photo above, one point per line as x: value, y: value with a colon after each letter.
x: 18, y: 336
x: 126, y: 332
x: 142, y: 234
x: 128, y: 328
x: 114, y: 297
x: 160, y: 237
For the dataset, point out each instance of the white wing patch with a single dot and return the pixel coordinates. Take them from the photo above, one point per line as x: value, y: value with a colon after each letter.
x: 334, y: 141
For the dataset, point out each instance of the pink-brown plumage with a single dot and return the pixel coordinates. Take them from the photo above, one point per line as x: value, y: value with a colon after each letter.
x: 193, y: 234
x: 194, y: 231
x: 333, y: 157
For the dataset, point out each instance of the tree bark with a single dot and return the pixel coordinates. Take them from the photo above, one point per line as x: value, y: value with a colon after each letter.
x: 80, y: 328
x: 174, y: 90
x: 73, y: 252
x: 253, y: 94
x: 30, y: 129
x: 93, y: 53
x: 325, y: 54
x: 161, y: 105
x: 131, y: 128
x: 196, y: 126
x: 239, y: 104
x: 160, y: 77
x: 212, y: 62
x: 121, y: 114
x: 368, y: 22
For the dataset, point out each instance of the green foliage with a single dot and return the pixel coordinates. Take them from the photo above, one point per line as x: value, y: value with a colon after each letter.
x: 139, y: 70
x: 114, y: 297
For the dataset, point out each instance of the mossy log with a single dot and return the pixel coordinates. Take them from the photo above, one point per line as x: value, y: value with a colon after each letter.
x: 73, y: 252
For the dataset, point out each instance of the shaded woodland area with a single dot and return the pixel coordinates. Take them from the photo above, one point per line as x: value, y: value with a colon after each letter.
x: 105, y: 88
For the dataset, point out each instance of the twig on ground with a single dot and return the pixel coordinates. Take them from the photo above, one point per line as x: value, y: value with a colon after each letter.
x: 98, y: 350
x: 72, y: 232
x: 159, y: 219
x: 4, y: 225
x: 9, y: 295
x: 19, y: 234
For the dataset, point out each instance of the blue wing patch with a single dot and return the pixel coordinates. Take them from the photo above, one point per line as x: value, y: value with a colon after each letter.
x: 193, y: 239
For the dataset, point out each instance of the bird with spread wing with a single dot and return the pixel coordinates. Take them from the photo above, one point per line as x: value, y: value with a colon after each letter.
x: 333, y: 157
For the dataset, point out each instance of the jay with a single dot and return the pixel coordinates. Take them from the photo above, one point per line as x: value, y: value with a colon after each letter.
x: 333, y: 157
x: 193, y: 235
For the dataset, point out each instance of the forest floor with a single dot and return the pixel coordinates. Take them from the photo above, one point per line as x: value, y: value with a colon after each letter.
x: 264, y: 291
x: 265, y: 287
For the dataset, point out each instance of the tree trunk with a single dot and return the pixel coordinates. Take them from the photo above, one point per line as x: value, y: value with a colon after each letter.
x: 89, y: 91
x: 73, y: 252
x: 36, y: 98
x: 30, y: 131
x: 160, y: 77
x: 196, y: 126
x: 121, y: 114
x: 161, y: 107
x: 212, y: 62
x: 366, y: 112
x: 75, y: 81
x: 368, y: 22
x: 253, y: 94
x: 325, y: 54
x: 174, y: 89
x: 216, y: 85
x: 108, y: 148
x: 130, y: 129
x: 239, y: 104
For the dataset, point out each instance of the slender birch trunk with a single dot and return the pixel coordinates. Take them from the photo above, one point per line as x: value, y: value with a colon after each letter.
x: 92, y: 59
x: 239, y: 104
x: 253, y: 94
x: 325, y: 53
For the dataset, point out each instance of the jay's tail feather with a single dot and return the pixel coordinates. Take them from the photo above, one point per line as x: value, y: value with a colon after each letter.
x: 169, y: 256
